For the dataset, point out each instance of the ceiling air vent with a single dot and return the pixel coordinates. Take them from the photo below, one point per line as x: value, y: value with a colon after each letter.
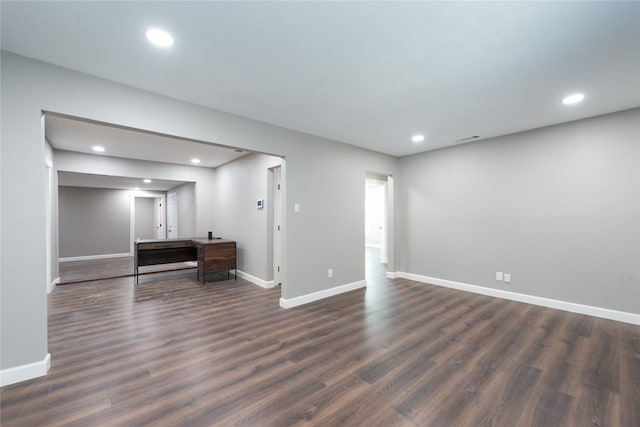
x: 467, y: 138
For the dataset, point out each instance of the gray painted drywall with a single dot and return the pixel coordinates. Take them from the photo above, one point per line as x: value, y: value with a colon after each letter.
x: 239, y: 184
x: 93, y: 221
x: 145, y: 213
x: 324, y: 176
x: 186, y: 204
x: 104, y: 165
x: 595, y: 255
x: 23, y: 306
x: 556, y: 207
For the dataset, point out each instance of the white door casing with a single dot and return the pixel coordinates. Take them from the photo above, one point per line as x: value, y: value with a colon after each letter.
x: 278, y: 231
x: 172, y: 215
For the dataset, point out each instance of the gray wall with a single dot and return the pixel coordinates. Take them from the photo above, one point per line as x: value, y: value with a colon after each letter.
x: 145, y: 214
x: 104, y: 165
x: 186, y: 201
x: 238, y: 185
x: 324, y: 176
x: 93, y: 221
x: 557, y: 207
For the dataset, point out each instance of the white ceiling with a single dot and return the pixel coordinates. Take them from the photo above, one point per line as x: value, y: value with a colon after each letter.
x: 72, y: 179
x: 366, y: 73
x: 76, y: 135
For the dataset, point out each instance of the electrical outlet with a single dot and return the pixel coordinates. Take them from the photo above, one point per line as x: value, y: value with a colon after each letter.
x: 507, y: 277
x: 330, y: 273
x: 499, y: 276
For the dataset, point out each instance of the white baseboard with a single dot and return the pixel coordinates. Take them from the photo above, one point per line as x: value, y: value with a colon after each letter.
x: 326, y: 293
x: 255, y: 280
x: 372, y: 245
x: 92, y: 257
x: 605, y: 313
x: 391, y: 275
x: 52, y: 285
x: 25, y: 372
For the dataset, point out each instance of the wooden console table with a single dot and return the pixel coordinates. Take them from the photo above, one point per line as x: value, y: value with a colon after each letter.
x: 212, y: 255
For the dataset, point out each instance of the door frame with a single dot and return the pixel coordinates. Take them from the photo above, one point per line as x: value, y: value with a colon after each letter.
x: 278, y: 225
x: 386, y: 239
x: 172, y: 215
x: 132, y: 213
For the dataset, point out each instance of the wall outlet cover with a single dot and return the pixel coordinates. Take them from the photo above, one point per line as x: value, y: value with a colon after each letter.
x: 499, y: 276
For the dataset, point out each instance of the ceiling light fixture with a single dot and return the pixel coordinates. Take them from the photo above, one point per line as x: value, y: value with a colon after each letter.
x: 146, y: 181
x: 572, y: 99
x: 195, y: 161
x: 159, y: 37
x: 417, y: 138
x: 98, y: 149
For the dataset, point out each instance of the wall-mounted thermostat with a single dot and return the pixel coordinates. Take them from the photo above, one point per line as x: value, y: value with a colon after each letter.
x: 260, y: 203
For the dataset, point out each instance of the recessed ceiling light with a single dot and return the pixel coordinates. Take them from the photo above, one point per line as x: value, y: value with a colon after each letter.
x: 146, y: 181
x: 159, y: 37
x: 417, y: 138
x: 98, y: 149
x: 572, y: 99
x: 195, y: 161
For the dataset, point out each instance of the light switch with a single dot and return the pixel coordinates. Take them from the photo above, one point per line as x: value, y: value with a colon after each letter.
x: 499, y: 276
x: 296, y: 207
x: 507, y: 277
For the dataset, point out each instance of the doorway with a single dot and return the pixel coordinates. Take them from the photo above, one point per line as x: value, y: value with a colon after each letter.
x: 376, y: 224
x: 147, y: 210
x: 172, y: 215
x: 277, y: 224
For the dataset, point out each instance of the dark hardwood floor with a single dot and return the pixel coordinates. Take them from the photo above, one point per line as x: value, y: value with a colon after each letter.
x: 171, y: 352
x: 110, y: 268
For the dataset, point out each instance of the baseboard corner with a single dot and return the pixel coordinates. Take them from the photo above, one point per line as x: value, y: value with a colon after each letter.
x: 25, y: 372
x: 325, y: 293
x: 255, y: 280
x: 53, y: 284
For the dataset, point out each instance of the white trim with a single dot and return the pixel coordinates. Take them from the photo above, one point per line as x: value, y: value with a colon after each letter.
x: 255, y: 280
x: 90, y: 257
x: 605, y: 313
x: 132, y: 213
x: 372, y: 245
x: 48, y: 222
x: 326, y: 293
x: 25, y: 372
x: 53, y: 284
x: 391, y: 275
x: 173, y: 215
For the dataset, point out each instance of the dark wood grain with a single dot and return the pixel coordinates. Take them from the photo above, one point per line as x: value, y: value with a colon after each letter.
x: 72, y: 272
x: 399, y: 353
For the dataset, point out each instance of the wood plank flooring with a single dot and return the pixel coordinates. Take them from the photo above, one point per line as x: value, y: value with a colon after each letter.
x: 110, y: 268
x: 400, y: 353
